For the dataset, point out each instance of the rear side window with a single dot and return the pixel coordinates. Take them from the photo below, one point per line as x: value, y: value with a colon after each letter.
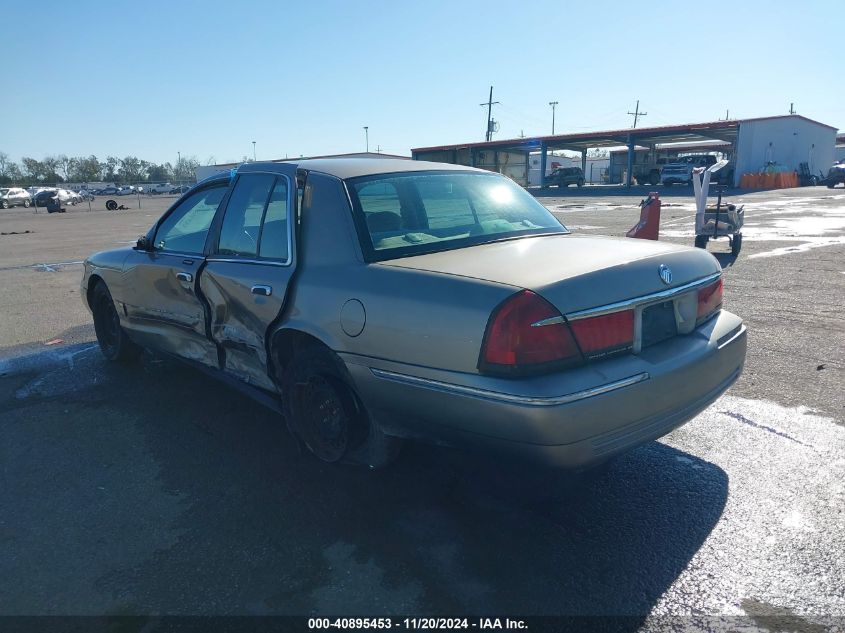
x: 239, y: 234
x: 255, y: 223
x: 185, y: 229
x: 274, y: 232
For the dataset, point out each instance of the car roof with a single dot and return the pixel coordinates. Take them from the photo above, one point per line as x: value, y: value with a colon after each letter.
x: 344, y: 168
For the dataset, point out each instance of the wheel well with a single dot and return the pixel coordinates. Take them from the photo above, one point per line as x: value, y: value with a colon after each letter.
x: 285, y: 343
x: 93, y: 282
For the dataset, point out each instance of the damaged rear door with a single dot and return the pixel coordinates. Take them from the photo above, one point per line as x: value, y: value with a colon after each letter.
x: 246, y: 276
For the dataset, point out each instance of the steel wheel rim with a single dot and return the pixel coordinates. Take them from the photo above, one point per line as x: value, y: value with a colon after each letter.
x: 326, y: 419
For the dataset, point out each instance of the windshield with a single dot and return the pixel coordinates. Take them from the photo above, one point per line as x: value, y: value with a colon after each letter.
x: 421, y: 212
x: 3, y: 192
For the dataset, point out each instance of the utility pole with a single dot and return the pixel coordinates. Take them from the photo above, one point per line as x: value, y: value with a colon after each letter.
x: 253, y: 151
x: 179, y: 167
x: 490, y: 103
x: 553, y: 104
x: 791, y: 108
x: 637, y: 114
x: 367, y: 137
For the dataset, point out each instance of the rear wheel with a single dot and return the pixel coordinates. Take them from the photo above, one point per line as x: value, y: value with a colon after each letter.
x: 326, y: 414
x: 112, y: 338
x: 701, y: 241
x: 4, y: 204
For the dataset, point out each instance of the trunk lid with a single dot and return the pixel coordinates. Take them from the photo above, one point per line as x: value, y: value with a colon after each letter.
x: 573, y: 272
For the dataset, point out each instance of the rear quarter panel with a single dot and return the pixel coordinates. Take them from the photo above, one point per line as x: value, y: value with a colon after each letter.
x: 415, y: 317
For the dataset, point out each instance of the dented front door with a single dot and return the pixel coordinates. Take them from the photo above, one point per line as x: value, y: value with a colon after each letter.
x: 162, y: 308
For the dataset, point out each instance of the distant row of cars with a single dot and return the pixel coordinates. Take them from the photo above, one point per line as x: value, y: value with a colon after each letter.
x: 38, y: 196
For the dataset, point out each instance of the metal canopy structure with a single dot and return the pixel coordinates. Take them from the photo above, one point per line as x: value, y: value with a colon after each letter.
x: 632, y: 138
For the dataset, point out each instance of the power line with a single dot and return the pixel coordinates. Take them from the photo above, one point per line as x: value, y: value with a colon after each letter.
x: 637, y: 114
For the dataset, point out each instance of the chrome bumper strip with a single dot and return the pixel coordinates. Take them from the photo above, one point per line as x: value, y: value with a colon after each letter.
x: 508, y: 398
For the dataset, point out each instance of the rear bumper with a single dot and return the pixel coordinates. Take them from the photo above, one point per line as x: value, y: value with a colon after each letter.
x: 572, y: 419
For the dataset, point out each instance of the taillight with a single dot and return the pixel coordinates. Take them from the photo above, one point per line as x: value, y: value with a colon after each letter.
x: 709, y: 301
x: 516, y: 340
x: 606, y: 334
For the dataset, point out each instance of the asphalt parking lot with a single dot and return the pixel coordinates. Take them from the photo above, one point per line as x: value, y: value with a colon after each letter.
x: 152, y: 490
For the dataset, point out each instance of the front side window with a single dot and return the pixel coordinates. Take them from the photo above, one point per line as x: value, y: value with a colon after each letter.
x: 411, y: 213
x: 186, y: 228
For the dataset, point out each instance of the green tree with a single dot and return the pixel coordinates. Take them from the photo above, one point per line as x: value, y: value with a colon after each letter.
x: 65, y: 166
x: 109, y: 169
x: 32, y: 169
x: 158, y: 173
x: 13, y: 173
x: 86, y: 169
x: 51, y: 169
x: 131, y: 170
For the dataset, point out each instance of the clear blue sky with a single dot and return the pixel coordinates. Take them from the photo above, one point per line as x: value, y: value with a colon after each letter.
x: 207, y: 78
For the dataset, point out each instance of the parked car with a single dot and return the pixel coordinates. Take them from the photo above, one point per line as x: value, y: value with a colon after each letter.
x: 43, y: 197
x: 835, y: 175
x: 180, y: 189
x: 14, y: 197
x: 69, y: 197
x: 680, y: 170
x: 161, y: 187
x: 86, y: 194
x: 565, y: 176
x: 376, y: 300
x: 108, y: 191
x: 125, y: 190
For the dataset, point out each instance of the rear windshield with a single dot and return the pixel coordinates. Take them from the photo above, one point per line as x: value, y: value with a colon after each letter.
x: 421, y: 212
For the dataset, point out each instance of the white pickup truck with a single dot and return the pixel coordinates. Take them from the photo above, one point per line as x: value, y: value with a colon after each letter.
x: 161, y: 187
x: 679, y: 171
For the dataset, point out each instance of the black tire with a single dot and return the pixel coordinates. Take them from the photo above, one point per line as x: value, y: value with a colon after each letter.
x: 114, y: 343
x: 26, y: 204
x: 701, y: 241
x: 323, y: 411
x: 4, y: 204
x: 736, y: 244
x: 111, y: 205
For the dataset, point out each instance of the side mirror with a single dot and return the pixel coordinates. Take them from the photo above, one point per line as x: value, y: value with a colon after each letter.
x: 141, y: 244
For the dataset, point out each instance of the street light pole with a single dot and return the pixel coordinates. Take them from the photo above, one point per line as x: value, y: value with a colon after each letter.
x: 367, y: 137
x: 253, y: 151
x: 179, y: 168
x: 553, y: 104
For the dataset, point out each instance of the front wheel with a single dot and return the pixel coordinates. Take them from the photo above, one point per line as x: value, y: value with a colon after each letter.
x: 111, y: 337
x: 26, y: 204
x: 4, y: 204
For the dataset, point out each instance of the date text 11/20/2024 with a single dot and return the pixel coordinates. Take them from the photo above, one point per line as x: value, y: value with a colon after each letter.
x: 417, y: 623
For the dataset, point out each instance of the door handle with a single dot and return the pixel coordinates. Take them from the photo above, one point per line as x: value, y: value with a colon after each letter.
x: 264, y: 291
x: 186, y: 277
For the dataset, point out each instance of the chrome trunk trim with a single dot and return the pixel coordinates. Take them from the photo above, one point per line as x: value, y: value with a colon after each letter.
x: 637, y: 301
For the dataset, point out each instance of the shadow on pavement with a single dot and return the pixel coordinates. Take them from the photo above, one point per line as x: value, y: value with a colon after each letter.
x: 156, y: 490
